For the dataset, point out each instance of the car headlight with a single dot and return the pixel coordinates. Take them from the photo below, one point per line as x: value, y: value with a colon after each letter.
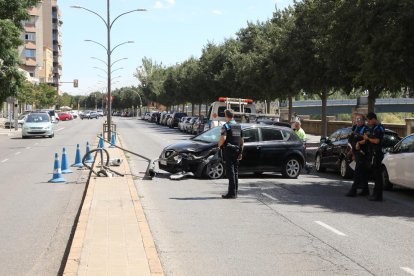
x: 177, y: 158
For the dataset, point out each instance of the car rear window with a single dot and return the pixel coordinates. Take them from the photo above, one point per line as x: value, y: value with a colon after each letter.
x: 221, y: 110
x: 269, y: 134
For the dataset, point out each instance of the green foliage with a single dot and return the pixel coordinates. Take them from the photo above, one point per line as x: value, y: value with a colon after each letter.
x: 12, y: 12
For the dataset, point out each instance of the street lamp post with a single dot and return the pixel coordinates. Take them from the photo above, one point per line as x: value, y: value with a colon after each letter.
x: 108, y: 23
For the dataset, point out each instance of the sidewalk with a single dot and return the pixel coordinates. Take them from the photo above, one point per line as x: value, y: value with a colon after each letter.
x: 112, y: 235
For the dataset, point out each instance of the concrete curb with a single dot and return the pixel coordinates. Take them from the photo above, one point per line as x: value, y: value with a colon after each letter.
x: 147, y: 238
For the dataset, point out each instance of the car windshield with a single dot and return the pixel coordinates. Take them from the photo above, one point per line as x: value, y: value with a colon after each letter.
x: 210, y: 136
x: 37, y: 118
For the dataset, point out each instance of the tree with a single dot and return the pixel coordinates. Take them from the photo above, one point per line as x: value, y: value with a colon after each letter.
x: 12, y: 12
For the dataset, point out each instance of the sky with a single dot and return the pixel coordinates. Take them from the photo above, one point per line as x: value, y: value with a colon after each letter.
x: 170, y: 32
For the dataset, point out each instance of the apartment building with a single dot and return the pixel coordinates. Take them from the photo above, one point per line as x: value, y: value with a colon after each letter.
x: 41, y: 53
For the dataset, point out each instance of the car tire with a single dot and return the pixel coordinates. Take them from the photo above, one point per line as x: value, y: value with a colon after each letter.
x: 387, y: 185
x: 51, y: 136
x: 292, y: 167
x: 214, y: 171
x: 25, y: 137
x: 318, y: 165
x: 345, y: 171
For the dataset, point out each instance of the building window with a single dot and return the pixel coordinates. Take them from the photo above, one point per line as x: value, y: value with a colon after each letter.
x: 31, y: 74
x: 30, y: 53
x: 30, y: 36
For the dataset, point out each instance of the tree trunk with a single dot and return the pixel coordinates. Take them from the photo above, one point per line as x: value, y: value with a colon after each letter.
x: 268, y: 106
x: 290, y: 108
x: 324, y: 126
x: 199, y: 110
x: 192, y: 109
x: 371, y: 100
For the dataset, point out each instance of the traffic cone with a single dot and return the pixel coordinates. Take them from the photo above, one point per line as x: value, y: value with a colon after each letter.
x: 65, y: 165
x: 113, y: 140
x: 57, y: 173
x: 78, y: 159
x: 89, y: 158
x: 101, y: 142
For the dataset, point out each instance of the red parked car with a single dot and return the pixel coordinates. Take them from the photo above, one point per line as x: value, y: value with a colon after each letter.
x: 65, y: 116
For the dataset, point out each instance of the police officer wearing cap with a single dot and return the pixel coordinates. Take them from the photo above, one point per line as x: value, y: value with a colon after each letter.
x: 360, y: 153
x: 374, y: 141
x: 231, y: 142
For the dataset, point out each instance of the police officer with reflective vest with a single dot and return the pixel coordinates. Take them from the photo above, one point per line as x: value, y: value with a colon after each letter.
x: 231, y: 142
x: 360, y: 153
x: 374, y: 141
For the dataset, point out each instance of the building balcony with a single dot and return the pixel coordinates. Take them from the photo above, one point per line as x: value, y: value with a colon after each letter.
x: 31, y: 45
x: 29, y: 28
x: 34, y: 11
x: 30, y: 62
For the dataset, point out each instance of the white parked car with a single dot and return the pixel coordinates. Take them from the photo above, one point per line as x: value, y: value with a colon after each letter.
x: 398, y: 165
x: 38, y: 124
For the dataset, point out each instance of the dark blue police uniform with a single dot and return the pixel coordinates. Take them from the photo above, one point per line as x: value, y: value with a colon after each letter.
x: 231, y: 151
x: 361, y: 160
x: 376, y: 157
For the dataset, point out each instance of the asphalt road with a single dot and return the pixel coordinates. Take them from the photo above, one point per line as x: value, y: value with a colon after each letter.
x: 276, y: 227
x: 36, y: 217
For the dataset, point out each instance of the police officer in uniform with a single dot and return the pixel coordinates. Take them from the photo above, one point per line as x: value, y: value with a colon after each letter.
x: 360, y: 153
x: 374, y: 141
x: 231, y: 142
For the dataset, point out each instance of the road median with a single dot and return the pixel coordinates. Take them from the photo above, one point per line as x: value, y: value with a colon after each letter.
x: 112, y: 234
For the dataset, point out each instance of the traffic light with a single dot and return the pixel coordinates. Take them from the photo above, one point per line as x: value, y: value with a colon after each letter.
x: 75, y: 83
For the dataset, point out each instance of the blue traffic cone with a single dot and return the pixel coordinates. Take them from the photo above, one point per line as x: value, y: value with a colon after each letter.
x: 113, y: 140
x: 101, y: 142
x: 78, y: 159
x: 57, y: 173
x: 65, y: 164
x: 89, y: 158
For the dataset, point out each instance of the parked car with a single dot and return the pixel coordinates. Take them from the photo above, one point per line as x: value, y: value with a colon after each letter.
x: 333, y: 150
x: 274, y: 123
x: 74, y: 114
x: 20, y: 122
x: 93, y: 115
x: 175, y: 118
x: 100, y: 112
x: 266, y: 149
x: 85, y: 114
x: 181, y: 123
x: 63, y: 116
x: 398, y: 165
x: 38, y: 124
x: 188, y: 127
x: 164, y: 120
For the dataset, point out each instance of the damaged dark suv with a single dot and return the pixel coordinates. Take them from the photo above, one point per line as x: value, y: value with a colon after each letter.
x: 266, y: 149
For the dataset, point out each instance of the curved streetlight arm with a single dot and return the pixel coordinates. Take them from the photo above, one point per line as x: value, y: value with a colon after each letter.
x: 117, y: 69
x: 112, y: 64
x: 100, y: 44
x: 116, y: 18
x: 126, y: 42
x: 91, y: 11
x: 100, y: 60
x: 103, y: 70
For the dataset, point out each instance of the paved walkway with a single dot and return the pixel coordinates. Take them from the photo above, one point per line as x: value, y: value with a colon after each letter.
x: 112, y: 236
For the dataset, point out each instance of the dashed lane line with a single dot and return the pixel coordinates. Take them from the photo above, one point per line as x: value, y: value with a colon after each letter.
x: 269, y: 196
x: 62, y: 128
x: 28, y: 147
x: 408, y: 270
x: 17, y: 153
x: 330, y: 228
x: 4, y: 161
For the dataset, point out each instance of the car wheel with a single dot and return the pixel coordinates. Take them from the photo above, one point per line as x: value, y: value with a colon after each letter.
x: 24, y: 137
x: 386, y: 179
x: 318, y: 165
x: 291, y: 168
x: 51, y: 136
x: 345, y: 170
x: 214, y: 171
x: 20, y: 125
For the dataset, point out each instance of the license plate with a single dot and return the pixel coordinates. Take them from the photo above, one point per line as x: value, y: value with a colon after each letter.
x: 163, y: 162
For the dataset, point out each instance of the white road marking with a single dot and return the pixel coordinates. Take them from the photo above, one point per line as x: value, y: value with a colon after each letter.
x: 36, y: 144
x: 330, y: 228
x: 17, y: 153
x: 269, y: 196
x: 59, y: 129
x: 28, y: 147
x: 408, y: 270
x: 5, y: 160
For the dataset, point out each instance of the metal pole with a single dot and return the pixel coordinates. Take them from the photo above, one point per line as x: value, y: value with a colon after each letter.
x: 109, y: 105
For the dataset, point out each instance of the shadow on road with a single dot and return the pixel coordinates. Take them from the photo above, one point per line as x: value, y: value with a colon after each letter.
x: 195, y: 198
